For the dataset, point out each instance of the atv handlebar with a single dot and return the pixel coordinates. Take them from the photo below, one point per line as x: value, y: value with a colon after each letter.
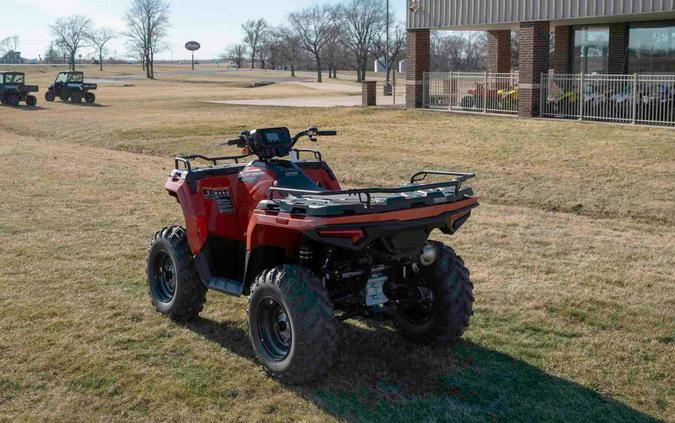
x: 312, y: 133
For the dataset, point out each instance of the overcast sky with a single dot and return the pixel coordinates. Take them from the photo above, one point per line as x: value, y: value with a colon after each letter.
x: 214, y: 23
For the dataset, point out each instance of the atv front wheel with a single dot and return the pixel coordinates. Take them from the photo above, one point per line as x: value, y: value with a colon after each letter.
x: 291, y: 324
x: 50, y: 96
x: 445, y: 316
x: 173, y: 284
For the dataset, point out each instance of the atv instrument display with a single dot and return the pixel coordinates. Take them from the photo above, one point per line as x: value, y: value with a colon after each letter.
x: 308, y: 252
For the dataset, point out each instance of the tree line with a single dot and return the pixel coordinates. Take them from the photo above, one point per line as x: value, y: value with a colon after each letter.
x: 328, y: 37
x: 147, y: 24
x: 349, y: 35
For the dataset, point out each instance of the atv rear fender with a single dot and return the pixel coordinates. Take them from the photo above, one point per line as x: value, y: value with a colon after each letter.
x: 196, y: 222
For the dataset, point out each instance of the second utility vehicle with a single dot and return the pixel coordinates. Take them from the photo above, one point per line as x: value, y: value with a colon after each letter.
x: 13, y: 89
x: 71, y: 86
x: 308, y: 252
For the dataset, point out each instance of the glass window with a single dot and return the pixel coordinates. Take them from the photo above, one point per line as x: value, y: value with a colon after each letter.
x: 651, y: 48
x: 62, y: 77
x: 591, y: 44
x: 75, y: 77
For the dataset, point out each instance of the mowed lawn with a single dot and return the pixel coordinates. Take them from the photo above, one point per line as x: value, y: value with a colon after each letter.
x: 572, y: 253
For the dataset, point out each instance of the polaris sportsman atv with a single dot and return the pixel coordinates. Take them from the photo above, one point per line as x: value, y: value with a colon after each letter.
x: 308, y: 252
x: 71, y: 86
x: 13, y: 89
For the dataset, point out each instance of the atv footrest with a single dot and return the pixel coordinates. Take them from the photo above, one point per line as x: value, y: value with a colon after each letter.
x: 226, y: 286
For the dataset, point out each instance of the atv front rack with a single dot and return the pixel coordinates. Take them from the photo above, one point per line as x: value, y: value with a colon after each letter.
x: 364, y: 195
x: 186, y: 160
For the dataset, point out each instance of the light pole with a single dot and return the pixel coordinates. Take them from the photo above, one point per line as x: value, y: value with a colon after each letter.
x: 387, y: 85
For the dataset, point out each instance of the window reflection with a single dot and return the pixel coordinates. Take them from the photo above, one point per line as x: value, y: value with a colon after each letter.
x: 651, y: 48
x: 591, y: 44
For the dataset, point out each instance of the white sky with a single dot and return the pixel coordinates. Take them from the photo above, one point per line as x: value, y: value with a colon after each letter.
x: 216, y: 24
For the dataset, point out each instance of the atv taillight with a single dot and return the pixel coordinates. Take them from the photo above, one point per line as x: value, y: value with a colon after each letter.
x: 354, y: 234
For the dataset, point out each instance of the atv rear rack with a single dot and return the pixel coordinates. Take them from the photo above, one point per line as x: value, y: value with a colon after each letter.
x: 364, y: 194
x: 214, y: 160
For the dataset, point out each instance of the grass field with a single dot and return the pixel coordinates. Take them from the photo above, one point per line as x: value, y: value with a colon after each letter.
x: 572, y: 254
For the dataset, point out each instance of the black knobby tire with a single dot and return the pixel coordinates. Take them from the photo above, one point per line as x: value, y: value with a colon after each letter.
x: 452, y: 292
x: 173, y: 284
x: 302, y: 305
x: 90, y: 97
x: 31, y: 101
x: 50, y: 96
x: 13, y: 100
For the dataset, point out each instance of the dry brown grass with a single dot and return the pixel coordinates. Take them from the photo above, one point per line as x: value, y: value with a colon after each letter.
x: 572, y: 253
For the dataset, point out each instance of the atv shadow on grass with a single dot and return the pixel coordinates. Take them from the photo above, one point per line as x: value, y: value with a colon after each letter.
x: 83, y: 104
x: 378, y: 377
x: 24, y: 108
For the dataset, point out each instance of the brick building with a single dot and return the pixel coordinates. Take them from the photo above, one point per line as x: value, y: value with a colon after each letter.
x: 590, y: 36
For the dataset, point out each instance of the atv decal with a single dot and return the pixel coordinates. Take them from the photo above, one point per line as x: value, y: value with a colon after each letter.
x: 222, y: 197
x: 251, y: 176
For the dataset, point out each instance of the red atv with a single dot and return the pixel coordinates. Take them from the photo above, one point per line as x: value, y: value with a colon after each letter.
x: 308, y: 252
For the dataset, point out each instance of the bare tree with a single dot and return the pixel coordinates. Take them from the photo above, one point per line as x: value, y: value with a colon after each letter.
x: 9, y: 44
x: 100, y: 38
x: 315, y: 27
x: 265, y: 48
x: 396, y: 45
x: 236, y: 54
x: 147, y: 25
x: 254, y: 30
x: 71, y: 34
x: 284, y: 48
x: 458, y: 51
x: 361, y: 23
x: 51, y: 55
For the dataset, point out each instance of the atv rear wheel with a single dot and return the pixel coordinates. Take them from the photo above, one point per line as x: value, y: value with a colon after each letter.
x: 13, y: 100
x: 90, y: 97
x: 173, y: 284
x: 291, y: 324
x: 50, y: 96
x: 31, y: 101
x: 444, y: 318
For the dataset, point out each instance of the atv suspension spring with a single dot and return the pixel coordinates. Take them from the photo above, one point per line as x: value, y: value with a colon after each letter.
x: 305, y: 255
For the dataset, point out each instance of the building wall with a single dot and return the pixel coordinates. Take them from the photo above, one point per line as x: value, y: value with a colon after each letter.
x: 449, y: 13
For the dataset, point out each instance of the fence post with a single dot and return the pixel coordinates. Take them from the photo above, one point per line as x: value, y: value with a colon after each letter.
x: 485, y: 93
x: 635, y: 97
x: 451, y: 97
x: 425, y: 89
x: 581, y: 96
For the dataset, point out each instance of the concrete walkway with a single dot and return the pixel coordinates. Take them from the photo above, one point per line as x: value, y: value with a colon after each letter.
x: 316, y: 101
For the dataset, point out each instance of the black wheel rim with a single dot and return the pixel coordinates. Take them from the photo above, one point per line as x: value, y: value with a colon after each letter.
x: 165, y: 277
x: 421, y: 312
x: 274, y: 328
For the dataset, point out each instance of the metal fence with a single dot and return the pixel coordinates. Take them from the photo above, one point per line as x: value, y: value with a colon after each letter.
x: 643, y: 99
x: 472, y: 91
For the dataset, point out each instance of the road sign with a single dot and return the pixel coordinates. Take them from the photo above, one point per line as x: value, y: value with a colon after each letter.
x: 193, y: 46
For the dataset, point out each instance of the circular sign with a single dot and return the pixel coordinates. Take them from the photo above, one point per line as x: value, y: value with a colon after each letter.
x: 192, y: 45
